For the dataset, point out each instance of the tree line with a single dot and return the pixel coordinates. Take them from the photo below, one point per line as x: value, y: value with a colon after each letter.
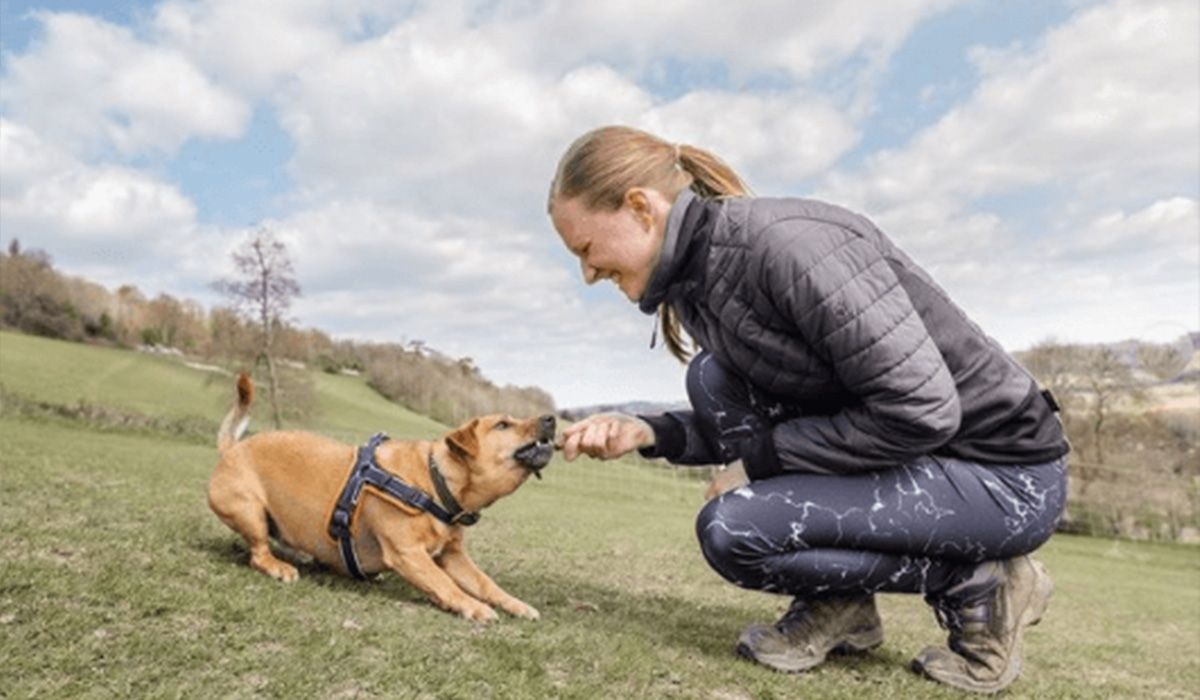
x: 1129, y: 412
x: 38, y: 299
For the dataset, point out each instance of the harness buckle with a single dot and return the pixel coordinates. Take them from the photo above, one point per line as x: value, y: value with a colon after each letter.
x: 340, y: 522
x: 464, y: 518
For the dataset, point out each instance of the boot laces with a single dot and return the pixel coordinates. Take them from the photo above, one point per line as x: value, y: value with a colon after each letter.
x: 797, y: 615
x: 956, y: 617
x: 949, y: 617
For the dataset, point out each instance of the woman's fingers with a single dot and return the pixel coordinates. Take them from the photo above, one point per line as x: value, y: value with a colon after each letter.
x: 595, y: 440
x: 570, y: 446
x: 594, y: 437
x: 572, y: 439
x: 603, y: 436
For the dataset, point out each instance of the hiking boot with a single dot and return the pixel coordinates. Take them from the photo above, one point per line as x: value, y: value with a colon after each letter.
x: 810, y: 630
x: 986, y: 616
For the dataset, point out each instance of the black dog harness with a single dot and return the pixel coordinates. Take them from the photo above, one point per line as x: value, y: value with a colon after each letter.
x: 367, y: 472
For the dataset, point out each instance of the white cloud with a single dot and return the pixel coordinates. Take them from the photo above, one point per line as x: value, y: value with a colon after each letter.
x: 389, y: 248
x: 25, y: 158
x: 773, y: 140
x: 110, y: 223
x: 791, y: 39
x: 438, y: 123
x: 453, y: 120
x: 93, y: 86
x: 260, y: 45
x: 114, y: 225
x: 1169, y: 229
x: 1121, y: 275
x: 1106, y: 105
x: 46, y: 190
x: 1058, y: 198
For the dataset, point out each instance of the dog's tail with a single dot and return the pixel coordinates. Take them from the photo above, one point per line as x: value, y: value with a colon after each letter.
x: 239, y: 416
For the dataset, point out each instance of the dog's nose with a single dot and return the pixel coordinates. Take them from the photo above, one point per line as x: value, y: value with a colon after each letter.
x: 547, y: 425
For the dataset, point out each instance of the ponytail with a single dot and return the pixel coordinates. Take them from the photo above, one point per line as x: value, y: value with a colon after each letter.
x: 711, y: 178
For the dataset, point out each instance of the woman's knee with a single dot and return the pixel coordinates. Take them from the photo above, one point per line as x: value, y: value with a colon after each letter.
x: 717, y: 543
x: 710, y: 531
x: 733, y: 547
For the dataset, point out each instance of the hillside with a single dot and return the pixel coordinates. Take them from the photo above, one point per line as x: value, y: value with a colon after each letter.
x: 60, y: 372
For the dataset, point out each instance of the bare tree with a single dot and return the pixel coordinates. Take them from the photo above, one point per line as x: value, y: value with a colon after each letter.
x: 1090, y: 381
x: 1107, y: 380
x: 1164, y: 361
x: 262, y: 292
x: 1056, y: 366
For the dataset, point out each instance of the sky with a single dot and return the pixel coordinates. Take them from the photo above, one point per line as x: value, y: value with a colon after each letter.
x: 1040, y: 159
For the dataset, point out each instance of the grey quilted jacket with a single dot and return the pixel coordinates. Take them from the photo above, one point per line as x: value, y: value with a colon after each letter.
x: 815, y: 305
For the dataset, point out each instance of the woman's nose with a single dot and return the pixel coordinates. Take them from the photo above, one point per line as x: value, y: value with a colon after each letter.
x: 589, y: 273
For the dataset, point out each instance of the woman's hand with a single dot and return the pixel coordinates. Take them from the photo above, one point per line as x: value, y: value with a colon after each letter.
x: 606, y: 436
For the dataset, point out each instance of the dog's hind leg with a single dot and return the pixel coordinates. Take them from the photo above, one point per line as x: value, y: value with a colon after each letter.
x: 247, y: 516
x: 262, y: 559
x: 250, y: 521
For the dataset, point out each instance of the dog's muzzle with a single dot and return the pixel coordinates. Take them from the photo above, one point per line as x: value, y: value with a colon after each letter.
x: 537, y: 454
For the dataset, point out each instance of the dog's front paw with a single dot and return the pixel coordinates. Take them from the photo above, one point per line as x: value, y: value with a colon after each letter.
x: 278, y: 570
x: 519, y: 608
x: 480, y: 613
x: 288, y: 574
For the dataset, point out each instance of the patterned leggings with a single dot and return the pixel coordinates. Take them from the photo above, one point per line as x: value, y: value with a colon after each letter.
x: 917, y: 528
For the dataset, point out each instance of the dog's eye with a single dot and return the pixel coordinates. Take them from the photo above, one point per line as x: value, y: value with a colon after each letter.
x: 502, y: 425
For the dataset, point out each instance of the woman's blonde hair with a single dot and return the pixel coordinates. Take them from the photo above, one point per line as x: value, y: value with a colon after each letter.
x: 605, y: 163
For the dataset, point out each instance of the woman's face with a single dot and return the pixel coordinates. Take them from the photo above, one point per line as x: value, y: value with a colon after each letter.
x: 621, y: 245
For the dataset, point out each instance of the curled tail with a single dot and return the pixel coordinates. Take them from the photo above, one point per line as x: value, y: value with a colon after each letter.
x: 239, y: 416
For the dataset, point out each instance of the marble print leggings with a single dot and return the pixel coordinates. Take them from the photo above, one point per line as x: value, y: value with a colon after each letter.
x: 917, y: 528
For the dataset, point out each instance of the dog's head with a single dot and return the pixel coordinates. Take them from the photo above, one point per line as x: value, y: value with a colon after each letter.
x: 498, y: 453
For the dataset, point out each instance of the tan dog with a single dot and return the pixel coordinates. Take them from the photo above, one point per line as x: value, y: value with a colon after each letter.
x: 286, y: 484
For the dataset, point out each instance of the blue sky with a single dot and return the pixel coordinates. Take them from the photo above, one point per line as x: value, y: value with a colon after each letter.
x: 1039, y: 158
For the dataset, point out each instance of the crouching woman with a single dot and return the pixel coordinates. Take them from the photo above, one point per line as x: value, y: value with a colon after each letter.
x: 879, y: 441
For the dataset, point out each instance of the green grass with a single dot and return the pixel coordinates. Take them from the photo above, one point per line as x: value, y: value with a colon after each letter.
x: 69, y: 373
x: 66, y: 373
x: 116, y: 580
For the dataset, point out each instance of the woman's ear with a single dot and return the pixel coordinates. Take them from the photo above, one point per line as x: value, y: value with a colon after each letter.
x: 640, y: 205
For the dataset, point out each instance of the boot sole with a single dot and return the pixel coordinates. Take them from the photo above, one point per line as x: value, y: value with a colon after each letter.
x: 967, y: 683
x: 851, y: 644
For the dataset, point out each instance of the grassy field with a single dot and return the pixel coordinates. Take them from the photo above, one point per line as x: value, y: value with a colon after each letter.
x: 116, y: 580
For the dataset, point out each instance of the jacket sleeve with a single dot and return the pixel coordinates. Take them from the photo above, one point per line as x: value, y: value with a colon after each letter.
x: 679, y: 440
x: 848, y: 306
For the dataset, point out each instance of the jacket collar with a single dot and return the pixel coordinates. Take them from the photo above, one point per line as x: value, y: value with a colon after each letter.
x: 682, y: 238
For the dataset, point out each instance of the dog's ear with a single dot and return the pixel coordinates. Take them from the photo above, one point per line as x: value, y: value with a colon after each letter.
x: 463, y: 443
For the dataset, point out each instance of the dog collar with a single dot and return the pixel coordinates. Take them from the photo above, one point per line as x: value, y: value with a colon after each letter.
x: 458, y: 516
